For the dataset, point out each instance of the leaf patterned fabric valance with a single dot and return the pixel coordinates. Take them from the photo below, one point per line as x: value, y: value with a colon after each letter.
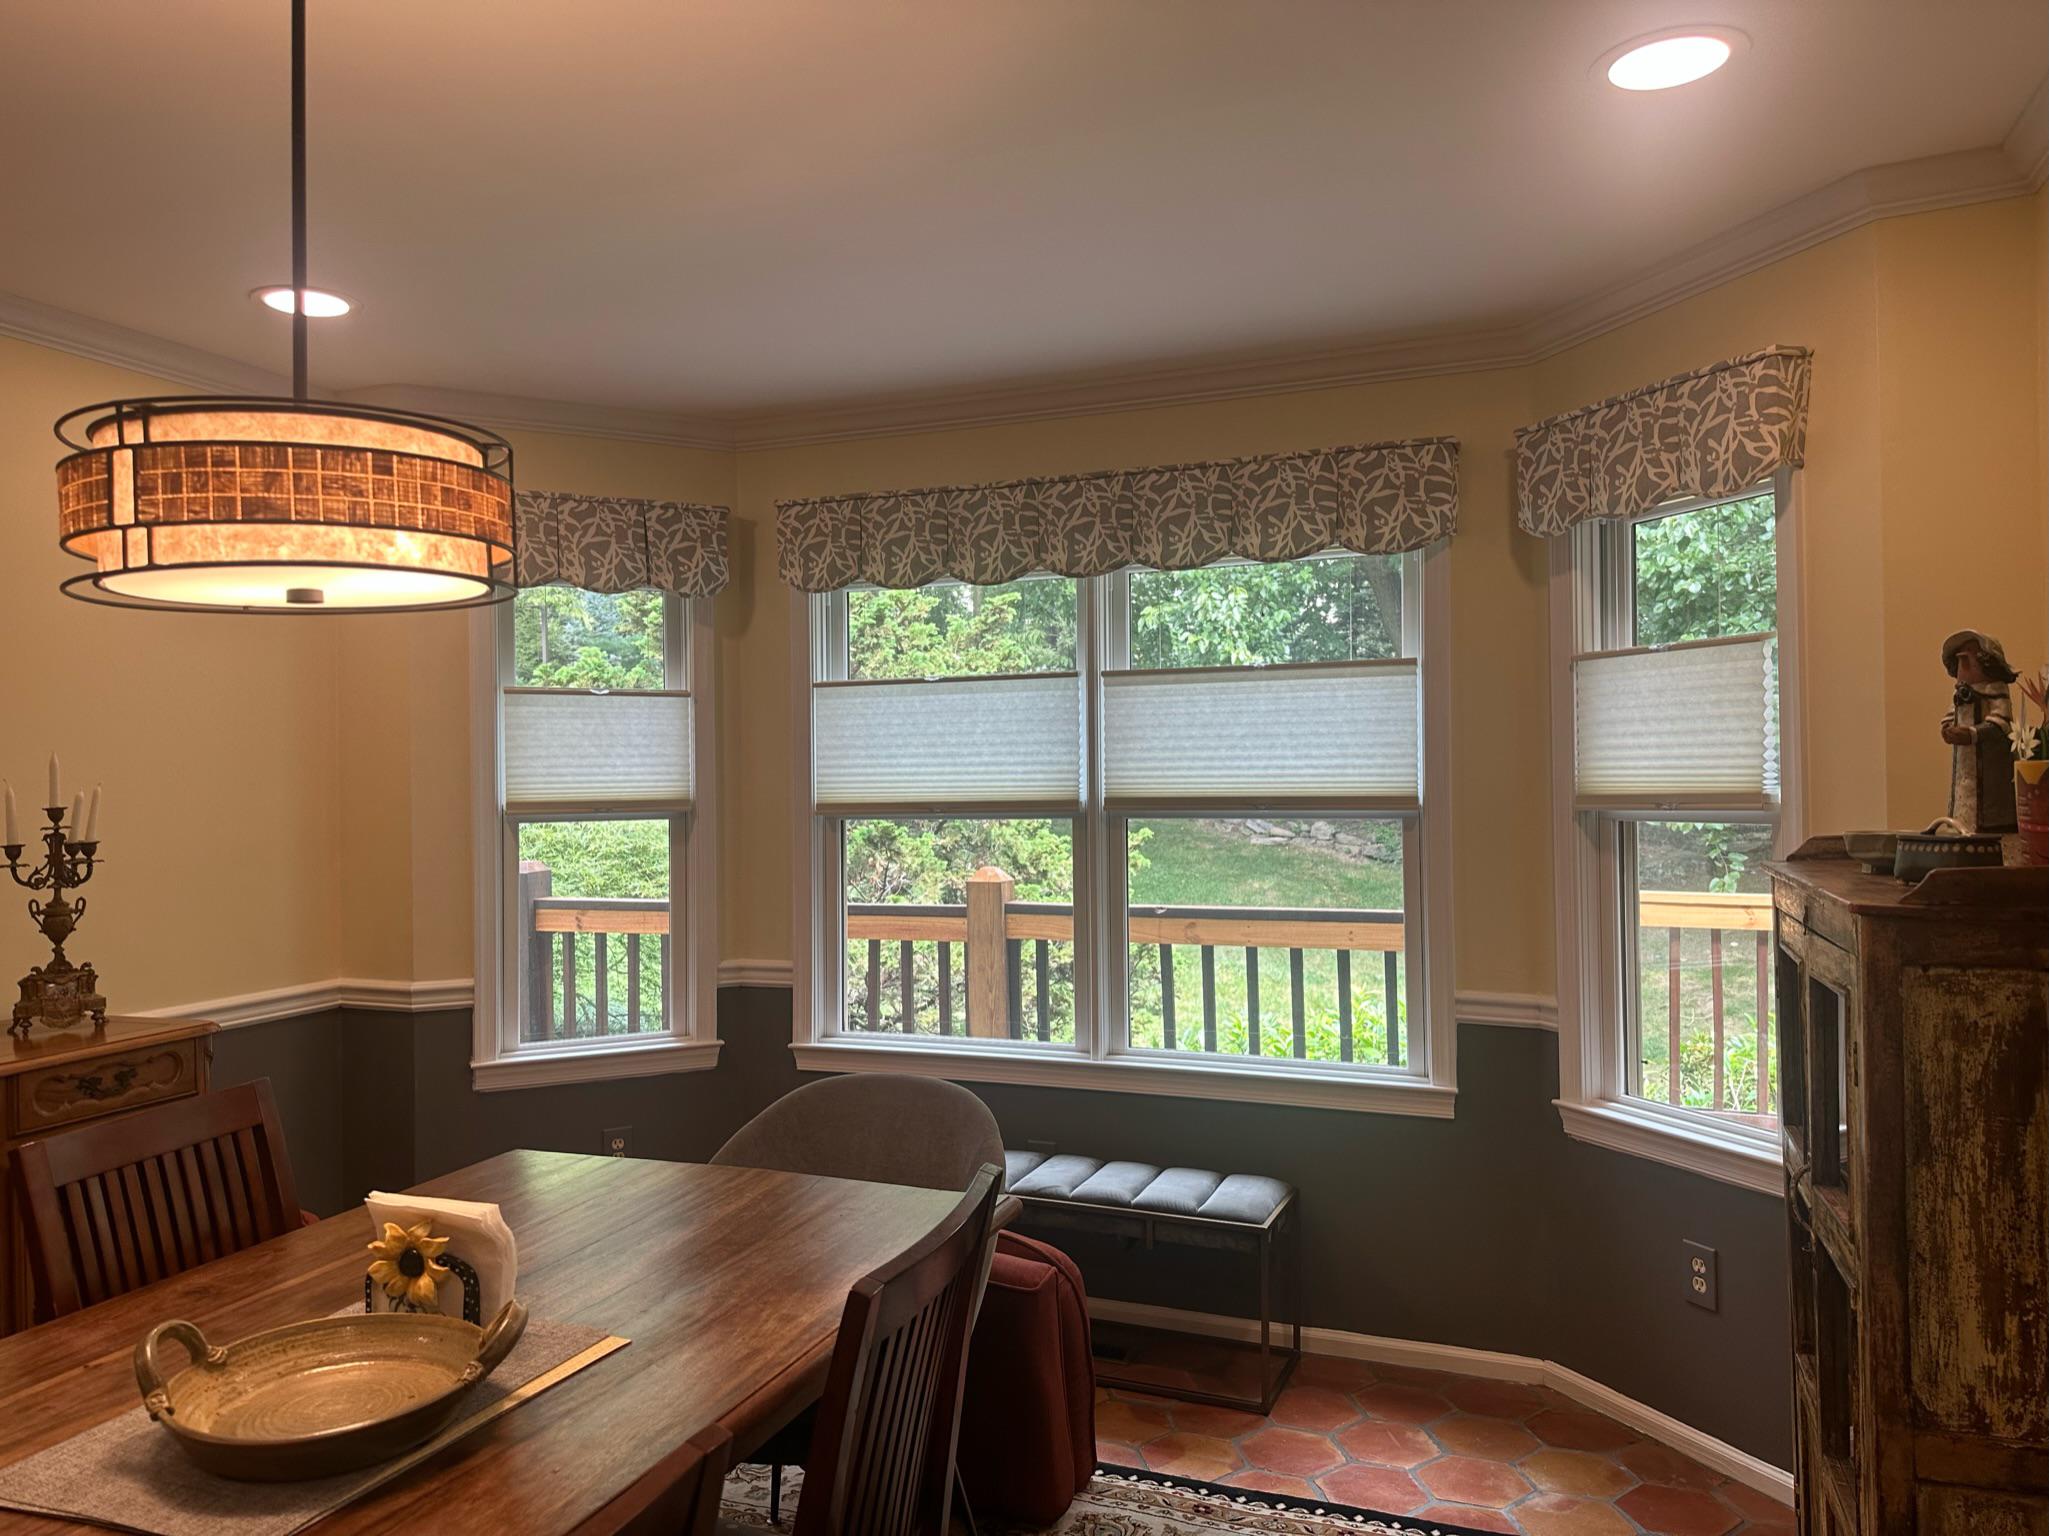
x: 1715, y: 432
x: 1380, y: 498
x: 618, y: 543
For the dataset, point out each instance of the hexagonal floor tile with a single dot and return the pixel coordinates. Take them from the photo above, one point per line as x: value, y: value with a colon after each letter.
x: 1752, y: 1505
x: 1575, y: 1472
x: 1400, y: 1402
x: 1495, y: 1439
x: 1133, y: 1423
x: 1209, y: 1419
x: 1577, y: 1429
x: 1475, y: 1519
x: 1676, y: 1511
x: 1558, y: 1514
x: 1472, y: 1480
x: 1377, y: 1488
x: 1497, y: 1399
x: 1203, y: 1458
x: 1656, y: 1463
x: 1387, y: 1445
x: 1254, y: 1480
x: 1313, y: 1408
x: 1292, y: 1451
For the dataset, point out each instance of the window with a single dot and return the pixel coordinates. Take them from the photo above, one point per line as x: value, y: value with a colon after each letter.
x: 593, y: 855
x: 1673, y: 660
x: 1159, y: 831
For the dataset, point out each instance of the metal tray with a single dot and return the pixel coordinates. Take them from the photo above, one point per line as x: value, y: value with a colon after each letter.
x: 318, y: 1398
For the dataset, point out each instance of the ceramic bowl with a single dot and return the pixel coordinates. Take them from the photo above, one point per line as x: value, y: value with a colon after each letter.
x: 1919, y: 852
x: 318, y: 1398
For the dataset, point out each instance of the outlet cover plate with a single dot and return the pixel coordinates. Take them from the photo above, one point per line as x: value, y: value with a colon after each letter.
x: 1701, y: 1287
x: 616, y: 1141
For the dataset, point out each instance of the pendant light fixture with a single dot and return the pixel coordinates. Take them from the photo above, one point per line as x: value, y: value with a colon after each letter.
x: 259, y: 504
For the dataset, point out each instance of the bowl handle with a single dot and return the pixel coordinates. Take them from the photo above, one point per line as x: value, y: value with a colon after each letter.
x: 499, y: 1336
x: 149, y: 1375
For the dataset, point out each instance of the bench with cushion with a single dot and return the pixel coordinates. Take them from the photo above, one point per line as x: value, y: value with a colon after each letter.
x: 1185, y: 1207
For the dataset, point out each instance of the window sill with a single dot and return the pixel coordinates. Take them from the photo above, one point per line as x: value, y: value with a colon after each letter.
x: 593, y: 1064
x: 1737, y: 1160
x: 1236, y: 1085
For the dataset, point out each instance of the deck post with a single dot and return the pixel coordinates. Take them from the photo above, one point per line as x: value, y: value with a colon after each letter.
x: 536, y: 960
x: 988, y: 899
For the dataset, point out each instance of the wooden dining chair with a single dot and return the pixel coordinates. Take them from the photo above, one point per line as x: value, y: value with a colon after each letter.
x: 678, y: 1496
x: 881, y: 1461
x: 113, y: 1206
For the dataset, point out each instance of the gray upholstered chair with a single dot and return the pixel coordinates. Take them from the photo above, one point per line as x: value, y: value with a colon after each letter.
x: 880, y: 1126
x: 884, y: 1127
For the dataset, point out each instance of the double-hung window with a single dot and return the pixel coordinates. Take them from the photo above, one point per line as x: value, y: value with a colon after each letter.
x: 596, y: 858
x: 1671, y: 636
x: 1156, y: 831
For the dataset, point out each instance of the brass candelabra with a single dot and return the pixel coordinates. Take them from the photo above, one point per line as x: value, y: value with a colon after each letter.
x: 58, y: 994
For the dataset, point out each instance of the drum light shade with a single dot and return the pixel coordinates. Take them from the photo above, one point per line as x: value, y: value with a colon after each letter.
x: 262, y: 504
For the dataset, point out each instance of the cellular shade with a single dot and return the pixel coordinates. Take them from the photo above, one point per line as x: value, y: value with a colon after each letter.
x: 951, y: 744
x: 572, y: 749
x: 1684, y: 726
x: 1327, y: 736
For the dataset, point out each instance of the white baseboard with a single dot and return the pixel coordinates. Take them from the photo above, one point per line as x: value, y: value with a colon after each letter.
x: 1751, y: 1471
x: 320, y: 996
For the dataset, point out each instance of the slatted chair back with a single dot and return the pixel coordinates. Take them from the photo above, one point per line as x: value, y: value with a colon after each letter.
x: 678, y: 1496
x: 114, y: 1206
x: 881, y: 1461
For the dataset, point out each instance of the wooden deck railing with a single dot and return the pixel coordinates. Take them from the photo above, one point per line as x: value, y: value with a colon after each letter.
x: 1724, y: 916
x: 567, y: 953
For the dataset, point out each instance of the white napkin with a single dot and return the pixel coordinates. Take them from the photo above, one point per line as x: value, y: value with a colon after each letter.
x: 477, y: 1235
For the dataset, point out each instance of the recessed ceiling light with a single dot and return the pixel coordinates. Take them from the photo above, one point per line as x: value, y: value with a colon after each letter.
x: 1676, y: 57
x: 319, y: 305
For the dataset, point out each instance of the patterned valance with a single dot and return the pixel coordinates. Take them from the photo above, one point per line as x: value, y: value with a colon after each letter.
x: 1713, y: 432
x: 618, y: 544
x: 1374, y: 499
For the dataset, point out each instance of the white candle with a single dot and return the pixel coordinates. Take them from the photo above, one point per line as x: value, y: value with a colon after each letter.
x: 77, y: 815
x: 54, y: 792
x: 13, y: 820
x: 92, y: 818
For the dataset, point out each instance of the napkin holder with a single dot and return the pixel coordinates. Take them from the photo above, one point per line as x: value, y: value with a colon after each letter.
x: 481, y: 1254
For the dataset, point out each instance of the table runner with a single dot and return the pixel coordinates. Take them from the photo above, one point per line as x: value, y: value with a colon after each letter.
x: 129, y: 1474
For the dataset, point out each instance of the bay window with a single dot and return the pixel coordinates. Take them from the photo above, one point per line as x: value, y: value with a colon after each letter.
x: 1155, y: 830
x: 594, y: 847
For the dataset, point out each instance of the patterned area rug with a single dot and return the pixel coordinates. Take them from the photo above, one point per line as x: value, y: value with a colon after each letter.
x: 1121, y: 1501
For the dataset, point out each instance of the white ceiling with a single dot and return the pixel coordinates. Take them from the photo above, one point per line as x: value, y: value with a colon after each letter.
x: 748, y: 205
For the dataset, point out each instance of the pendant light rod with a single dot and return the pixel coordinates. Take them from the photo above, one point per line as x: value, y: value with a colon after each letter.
x: 299, y: 384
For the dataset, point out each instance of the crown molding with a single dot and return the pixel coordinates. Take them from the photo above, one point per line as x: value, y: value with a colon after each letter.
x: 2014, y: 168
x: 120, y: 347
x: 2027, y: 142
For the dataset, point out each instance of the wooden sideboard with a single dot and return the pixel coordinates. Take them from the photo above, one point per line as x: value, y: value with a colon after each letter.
x: 57, y: 1080
x: 1914, y: 1031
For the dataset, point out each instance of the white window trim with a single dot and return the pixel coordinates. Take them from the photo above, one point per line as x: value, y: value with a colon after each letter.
x: 691, y: 1044
x: 1591, y: 1103
x: 1431, y: 1092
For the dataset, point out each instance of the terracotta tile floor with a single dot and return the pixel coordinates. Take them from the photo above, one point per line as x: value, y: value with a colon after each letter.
x: 1493, y: 1455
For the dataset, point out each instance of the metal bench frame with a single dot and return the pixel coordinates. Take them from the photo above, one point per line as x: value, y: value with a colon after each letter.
x: 1282, y: 1225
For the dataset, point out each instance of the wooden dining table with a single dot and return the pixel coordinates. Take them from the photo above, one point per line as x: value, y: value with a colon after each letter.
x: 728, y: 1281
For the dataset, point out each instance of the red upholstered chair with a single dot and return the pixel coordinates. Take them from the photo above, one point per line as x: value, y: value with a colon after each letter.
x: 1028, y: 1415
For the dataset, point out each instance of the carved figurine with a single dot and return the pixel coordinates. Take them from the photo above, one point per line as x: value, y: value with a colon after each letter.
x: 1977, y: 729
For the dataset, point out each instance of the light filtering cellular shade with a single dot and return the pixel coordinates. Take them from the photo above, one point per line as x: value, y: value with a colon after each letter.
x: 950, y: 744
x: 1682, y: 726
x: 573, y: 749
x: 1325, y: 736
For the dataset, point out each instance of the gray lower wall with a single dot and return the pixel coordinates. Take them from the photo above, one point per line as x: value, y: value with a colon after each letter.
x: 1492, y: 1230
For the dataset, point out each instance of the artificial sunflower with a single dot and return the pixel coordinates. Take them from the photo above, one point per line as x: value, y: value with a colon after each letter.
x: 406, y: 1261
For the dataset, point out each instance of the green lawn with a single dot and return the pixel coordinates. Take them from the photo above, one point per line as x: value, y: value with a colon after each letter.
x: 1201, y: 864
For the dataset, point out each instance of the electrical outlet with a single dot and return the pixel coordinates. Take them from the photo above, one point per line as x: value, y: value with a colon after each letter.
x: 1700, y: 1275
x: 616, y: 1141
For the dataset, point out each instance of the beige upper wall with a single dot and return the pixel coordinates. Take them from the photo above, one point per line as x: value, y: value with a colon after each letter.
x: 340, y: 749
x: 214, y: 736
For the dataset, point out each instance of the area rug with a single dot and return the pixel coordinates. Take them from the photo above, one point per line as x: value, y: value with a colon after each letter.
x: 1123, y: 1501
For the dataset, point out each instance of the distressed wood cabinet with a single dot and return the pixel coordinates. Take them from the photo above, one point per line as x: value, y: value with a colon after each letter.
x: 53, y: 1082
x: 1914, y: 1026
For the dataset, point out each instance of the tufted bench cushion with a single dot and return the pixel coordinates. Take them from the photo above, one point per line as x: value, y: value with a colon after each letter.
x: 1112, y: 1196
